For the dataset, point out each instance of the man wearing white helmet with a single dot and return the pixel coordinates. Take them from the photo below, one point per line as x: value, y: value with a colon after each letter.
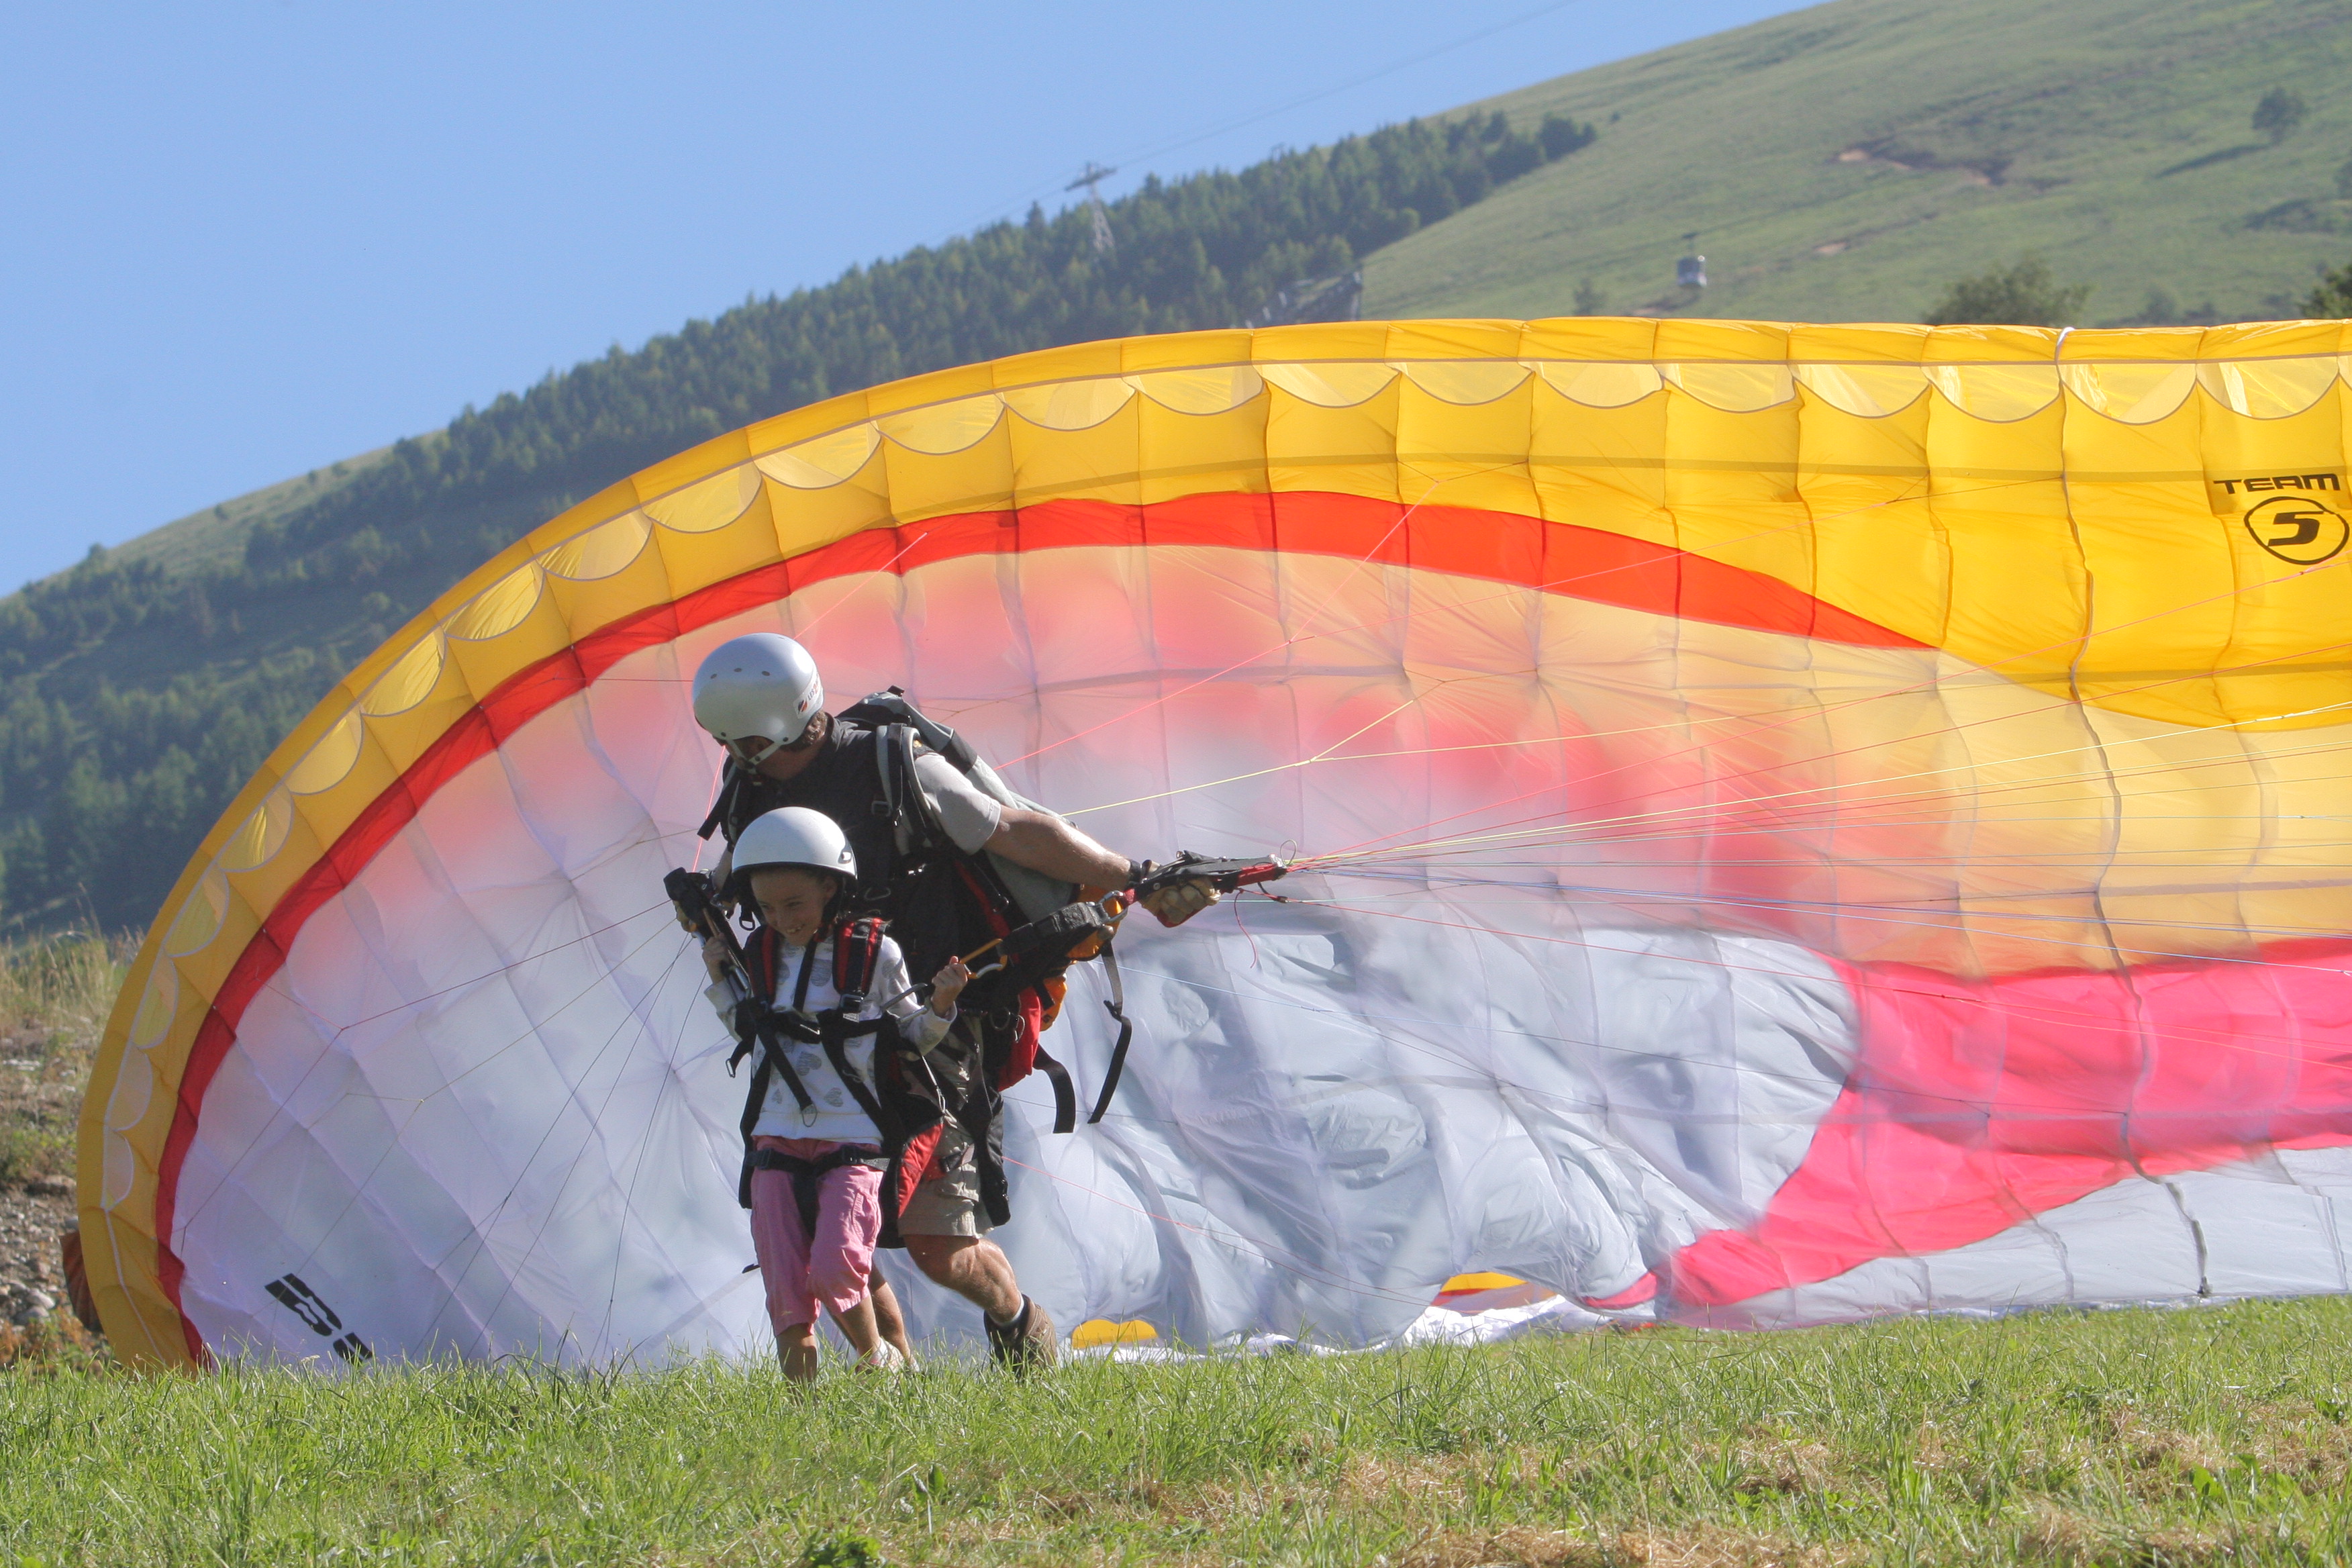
x: 928, y: 822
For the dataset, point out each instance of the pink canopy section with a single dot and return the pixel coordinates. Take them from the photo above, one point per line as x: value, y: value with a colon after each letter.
x: 1974, y: 1107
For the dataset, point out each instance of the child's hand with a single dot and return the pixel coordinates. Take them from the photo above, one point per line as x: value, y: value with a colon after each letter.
x: 714, y: 957
x: 947, y: 986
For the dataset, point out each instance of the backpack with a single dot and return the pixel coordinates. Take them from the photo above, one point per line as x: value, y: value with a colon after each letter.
x: 1036, y: 926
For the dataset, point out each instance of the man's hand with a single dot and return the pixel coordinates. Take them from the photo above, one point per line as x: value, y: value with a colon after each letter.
x: 1180, y: 901
x: 1177, y: 891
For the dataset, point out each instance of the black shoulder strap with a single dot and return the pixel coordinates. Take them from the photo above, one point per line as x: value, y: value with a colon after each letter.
x: 836, y: 1028
x: 903, y: 798
x: 902, y: 790
x: 808, y: 964
x: 730, y: 781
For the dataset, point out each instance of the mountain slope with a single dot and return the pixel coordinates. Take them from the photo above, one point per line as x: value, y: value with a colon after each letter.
x: 1846, y: 162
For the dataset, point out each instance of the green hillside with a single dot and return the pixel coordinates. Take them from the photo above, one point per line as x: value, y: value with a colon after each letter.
x: 1845, y: 163
x: 1842, y: 162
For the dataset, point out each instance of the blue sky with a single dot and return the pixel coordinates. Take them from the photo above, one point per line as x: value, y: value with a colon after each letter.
x: 242, y: 241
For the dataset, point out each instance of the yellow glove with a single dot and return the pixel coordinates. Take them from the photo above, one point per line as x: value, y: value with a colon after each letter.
x: 1175, y: 904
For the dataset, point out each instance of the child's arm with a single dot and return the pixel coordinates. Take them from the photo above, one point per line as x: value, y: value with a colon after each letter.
x: 723, y: 993
x: 923, y: 1027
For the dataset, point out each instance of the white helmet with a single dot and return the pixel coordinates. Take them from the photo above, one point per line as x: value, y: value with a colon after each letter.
x: 796, y: 836
x: 762, y: 687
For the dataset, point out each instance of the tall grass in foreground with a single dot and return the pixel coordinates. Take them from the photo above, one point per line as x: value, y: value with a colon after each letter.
x: 55, y: 995
x: 2127, y: 1437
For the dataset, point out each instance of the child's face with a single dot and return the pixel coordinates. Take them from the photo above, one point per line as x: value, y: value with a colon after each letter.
x: 792, y: 900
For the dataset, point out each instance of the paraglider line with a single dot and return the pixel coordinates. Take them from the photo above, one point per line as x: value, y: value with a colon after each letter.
x: 415, y: 1105
x: 1354, y: 570
x: 481, y: 1229
x: 1675, y: 724
x: 1514, y: 590
x: 1823, y: 713
x: 1854, y: 911
x: 326, y: 1047
x: 479, y: 979
x: 1811, y: 522
x: 1669, y: 814
x: 644, y: 1146
x: 826, y: 614
x: 1696, y: 814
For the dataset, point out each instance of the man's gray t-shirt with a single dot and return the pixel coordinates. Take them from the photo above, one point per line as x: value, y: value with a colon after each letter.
x: 969, y: 815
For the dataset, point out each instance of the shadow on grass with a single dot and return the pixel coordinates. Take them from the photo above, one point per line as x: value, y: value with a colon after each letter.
x: 2223, y: 156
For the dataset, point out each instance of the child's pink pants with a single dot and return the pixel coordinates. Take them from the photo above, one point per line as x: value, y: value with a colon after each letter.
x: 801, y: 1277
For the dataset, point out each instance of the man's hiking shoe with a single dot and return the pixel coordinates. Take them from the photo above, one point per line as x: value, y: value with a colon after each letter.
x: 1026, y: 1341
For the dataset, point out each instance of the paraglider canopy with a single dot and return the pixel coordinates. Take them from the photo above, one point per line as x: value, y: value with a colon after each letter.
x: 1790, y: 822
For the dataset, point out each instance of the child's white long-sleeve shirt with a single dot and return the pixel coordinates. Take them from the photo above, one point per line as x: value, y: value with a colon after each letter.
x: 834, y: 1112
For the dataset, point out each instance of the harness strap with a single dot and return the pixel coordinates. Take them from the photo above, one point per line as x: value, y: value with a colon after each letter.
x: 1117, y: 1005
x: 755, y: 1020
x: 1065, y: 1093
x: 891, y: 772
x: 764, y: 1026
x: 731, y: 781
x: 801, y: 983
x: 837, y: 1032
x: 857, y: 954
x: 902, y: 788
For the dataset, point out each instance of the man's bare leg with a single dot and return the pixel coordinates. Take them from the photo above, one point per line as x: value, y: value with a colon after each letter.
x: 974, y: 1268
x: 797, y: 1348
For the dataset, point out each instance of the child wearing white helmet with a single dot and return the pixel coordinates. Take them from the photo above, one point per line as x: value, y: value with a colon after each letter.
x: 815, y: 1155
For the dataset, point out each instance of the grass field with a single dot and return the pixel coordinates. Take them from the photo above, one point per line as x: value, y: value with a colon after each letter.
x: 2128, y: 1437
x: 1847, y: 161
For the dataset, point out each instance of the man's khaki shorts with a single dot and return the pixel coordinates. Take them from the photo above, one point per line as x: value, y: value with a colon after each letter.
x: 948, y: 1202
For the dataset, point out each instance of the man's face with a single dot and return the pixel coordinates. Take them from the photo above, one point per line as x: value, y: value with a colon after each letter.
x: 788, y: 762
